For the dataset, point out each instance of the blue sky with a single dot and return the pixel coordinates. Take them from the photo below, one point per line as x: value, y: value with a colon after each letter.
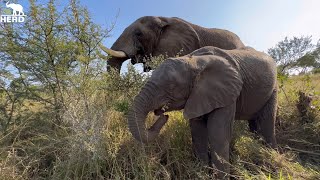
x: 259, y: 23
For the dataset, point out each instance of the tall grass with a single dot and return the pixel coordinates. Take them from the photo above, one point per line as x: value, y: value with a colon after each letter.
x: 93, y: 141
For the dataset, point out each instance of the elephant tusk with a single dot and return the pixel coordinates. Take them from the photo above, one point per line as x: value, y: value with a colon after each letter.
x: 118, y: 54
x: 165, y: 107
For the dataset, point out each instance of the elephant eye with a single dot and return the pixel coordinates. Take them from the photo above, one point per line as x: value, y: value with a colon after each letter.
x: 138, y: 33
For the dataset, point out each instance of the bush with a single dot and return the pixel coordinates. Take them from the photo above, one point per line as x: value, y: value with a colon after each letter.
x: 73, y: 126
x: 93, y: 141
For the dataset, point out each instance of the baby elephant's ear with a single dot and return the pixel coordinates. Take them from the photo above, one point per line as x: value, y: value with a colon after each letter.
x: 218, y: 85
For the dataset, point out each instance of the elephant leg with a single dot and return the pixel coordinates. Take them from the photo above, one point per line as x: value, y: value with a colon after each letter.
x: 199, y: 135
x: 253, y: 126
x: 219, y: 132
x: 265, y: 120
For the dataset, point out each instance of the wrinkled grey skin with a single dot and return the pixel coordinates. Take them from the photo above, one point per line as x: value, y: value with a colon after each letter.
x: 214, y: 87
x: 151, y: 35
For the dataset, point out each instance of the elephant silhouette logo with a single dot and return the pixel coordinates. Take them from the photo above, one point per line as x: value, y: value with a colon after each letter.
x: 13, y: 12
x: 16, y: 8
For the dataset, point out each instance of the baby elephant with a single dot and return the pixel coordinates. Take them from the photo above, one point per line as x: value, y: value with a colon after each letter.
x: 214, y: 87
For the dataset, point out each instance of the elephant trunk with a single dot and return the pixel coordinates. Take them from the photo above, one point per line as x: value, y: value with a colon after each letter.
x: 117, y: 57
x: 115, y: 63
x: 142, y: 105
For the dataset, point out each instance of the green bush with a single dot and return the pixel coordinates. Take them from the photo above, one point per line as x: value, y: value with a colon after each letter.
x: 93, y: 141
x: 73, y: 125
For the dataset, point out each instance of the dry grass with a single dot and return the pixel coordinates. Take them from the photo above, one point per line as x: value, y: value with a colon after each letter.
x: 94, y: 143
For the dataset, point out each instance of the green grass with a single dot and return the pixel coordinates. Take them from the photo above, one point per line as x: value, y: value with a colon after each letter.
x: 94, y: 143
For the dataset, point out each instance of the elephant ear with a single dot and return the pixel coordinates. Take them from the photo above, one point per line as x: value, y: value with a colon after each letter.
x: 176, y: 35
x: 218, y: 84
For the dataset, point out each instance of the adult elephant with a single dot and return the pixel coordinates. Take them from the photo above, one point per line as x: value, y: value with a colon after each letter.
x: 214, y: 87
x: 151, y: 35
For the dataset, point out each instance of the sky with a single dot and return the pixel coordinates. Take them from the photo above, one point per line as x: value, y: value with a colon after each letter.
x: 259, y: 23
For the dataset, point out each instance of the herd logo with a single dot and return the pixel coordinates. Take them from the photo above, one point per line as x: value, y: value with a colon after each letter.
x: 12, y: 13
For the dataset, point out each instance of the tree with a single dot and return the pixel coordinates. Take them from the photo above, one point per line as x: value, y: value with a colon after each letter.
x: 291, y: 53
x: 42, y: 52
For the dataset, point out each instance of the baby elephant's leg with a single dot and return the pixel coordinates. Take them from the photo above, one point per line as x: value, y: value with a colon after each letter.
x: 199, y: 135
x: 219, y: 132
x: 265, y: 120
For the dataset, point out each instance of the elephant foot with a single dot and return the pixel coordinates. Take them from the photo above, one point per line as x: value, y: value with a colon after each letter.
x: 203, y: 157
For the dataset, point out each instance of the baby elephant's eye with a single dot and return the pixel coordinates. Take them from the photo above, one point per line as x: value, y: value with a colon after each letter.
x: 138, y: 33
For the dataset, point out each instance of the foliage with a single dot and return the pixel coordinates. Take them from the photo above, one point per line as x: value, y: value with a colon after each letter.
x: 42, y: 52
x: 62, y: 116
x: 295, y: 52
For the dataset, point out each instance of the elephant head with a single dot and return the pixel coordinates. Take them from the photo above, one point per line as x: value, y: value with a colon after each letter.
x: 198, y: 83
x: 153, y: 36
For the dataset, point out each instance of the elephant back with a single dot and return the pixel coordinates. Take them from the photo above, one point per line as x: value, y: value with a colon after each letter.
x: 259, y: 74
x: 216, y: 37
